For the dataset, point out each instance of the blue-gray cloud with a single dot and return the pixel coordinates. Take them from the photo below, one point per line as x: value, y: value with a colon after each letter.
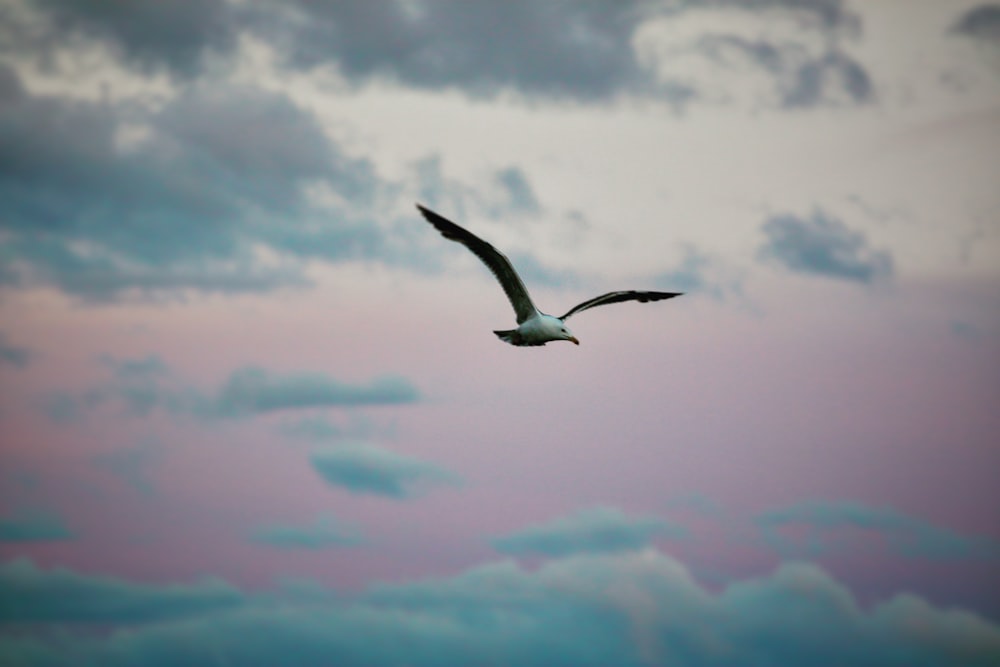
x: 13, y: 355
x: 981, y: 23
x: 174, y: 36
x: 699, y: 273
x: 599, y: 529
x: 323, y: 533
x: 905, y: 535
x: 31, y: 594
x: 580, y: 50
x: 627, y: 610
x: 34, y: 526
x: 140, y: 386
x: 253, y: 390
x: 824, y: 246
x: 566, y: 50
x: 134, y: 465
x: 207, y: 179
x: 373, y: 470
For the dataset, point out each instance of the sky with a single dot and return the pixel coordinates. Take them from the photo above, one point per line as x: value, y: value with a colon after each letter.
x: 253, y: 411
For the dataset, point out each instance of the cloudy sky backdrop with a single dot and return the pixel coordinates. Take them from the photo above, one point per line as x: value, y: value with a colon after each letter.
x: 253, y: 414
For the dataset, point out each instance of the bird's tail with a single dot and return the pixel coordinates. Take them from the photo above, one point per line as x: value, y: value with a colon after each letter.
x: 509, y: 336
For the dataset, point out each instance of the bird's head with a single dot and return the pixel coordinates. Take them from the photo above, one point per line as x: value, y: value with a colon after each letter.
x: 566, y: 334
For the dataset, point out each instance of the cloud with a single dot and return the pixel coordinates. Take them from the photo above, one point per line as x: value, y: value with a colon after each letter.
x: 981, y: 23
x: 253, y: 390
x: 149, y: 35
x: 324, y: 532
x: 824, y: 246
x: 32, y: 594
x: 141, y: 386
x: 574, y: 50
x: 832, y: 525
x: 133, y: 465
x: 34, y: 526
x: 369, y: 469
x: 103, y: 199
x: 13, y: 355
x: 699, y: 273
x: 600, y: 529
x: 628, y: 609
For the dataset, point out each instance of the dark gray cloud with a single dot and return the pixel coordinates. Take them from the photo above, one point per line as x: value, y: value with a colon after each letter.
x: 99, y: 198
x: 13, y: 355
x: 570, y: 50
x: 323, y: 533
x: 34, y: 526
x: 982, y: 23
x: 176, y: 37
x: 556, y: 49
x: 31, y: 594
x: 373, y: 470
x: 904, y: 534
x: 600, y: 529
x: 138, y: 387
x: 629, y: 609
x: 825, y: 246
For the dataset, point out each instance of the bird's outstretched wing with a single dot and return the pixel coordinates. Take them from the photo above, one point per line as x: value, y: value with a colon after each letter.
x: 618, y: 297
x: 492, y: 258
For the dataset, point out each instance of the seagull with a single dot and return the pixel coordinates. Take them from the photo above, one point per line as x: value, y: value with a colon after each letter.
x: 533, y: 326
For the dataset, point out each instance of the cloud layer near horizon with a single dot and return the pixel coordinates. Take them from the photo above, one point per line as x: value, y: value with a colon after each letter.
x: 631, y: 609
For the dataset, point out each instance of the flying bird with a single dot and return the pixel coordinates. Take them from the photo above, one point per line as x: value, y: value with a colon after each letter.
x: 533, y: 326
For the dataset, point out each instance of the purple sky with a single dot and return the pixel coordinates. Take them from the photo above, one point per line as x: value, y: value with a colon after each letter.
x: 243, y: 384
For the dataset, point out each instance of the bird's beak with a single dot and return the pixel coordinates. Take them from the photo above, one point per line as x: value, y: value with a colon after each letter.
x: 573, y: 340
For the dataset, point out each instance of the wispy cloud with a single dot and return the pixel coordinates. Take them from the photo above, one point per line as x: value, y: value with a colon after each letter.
x: 599, y: 529
x: 835, y: 525
x: 254, y: 390
x: 32, y: 594
x: 323, y: 533
x: 364, y: 468
x: 34, y: 526
x: 823, y: 245
x: 140, y: 386
x: 134, y: 465
x: 13, y: 355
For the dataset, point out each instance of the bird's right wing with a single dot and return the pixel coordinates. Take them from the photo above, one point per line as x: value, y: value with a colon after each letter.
x: 492, y: 258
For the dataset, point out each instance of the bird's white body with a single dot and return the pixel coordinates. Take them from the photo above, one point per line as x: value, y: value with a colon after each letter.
x: 538, y: 329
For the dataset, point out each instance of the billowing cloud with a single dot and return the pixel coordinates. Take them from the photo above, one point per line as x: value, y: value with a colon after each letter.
x: 149, y: 35
x: 34, y: 526
x: 824, y: 246
x: 31, y: 594
x: 140, y: 386
x: 369, y: 469
x: 579, y: 50
x: 600, y: 529
x: 13, y: 355
x: 323, y: 533
x: 981, y: 23
x: 833, y: 525
x: 100, y: 199
x: 637, y: 608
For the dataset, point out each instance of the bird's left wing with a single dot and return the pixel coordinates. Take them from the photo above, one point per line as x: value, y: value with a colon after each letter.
x: 492, y: 258
x: 618, y: 297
